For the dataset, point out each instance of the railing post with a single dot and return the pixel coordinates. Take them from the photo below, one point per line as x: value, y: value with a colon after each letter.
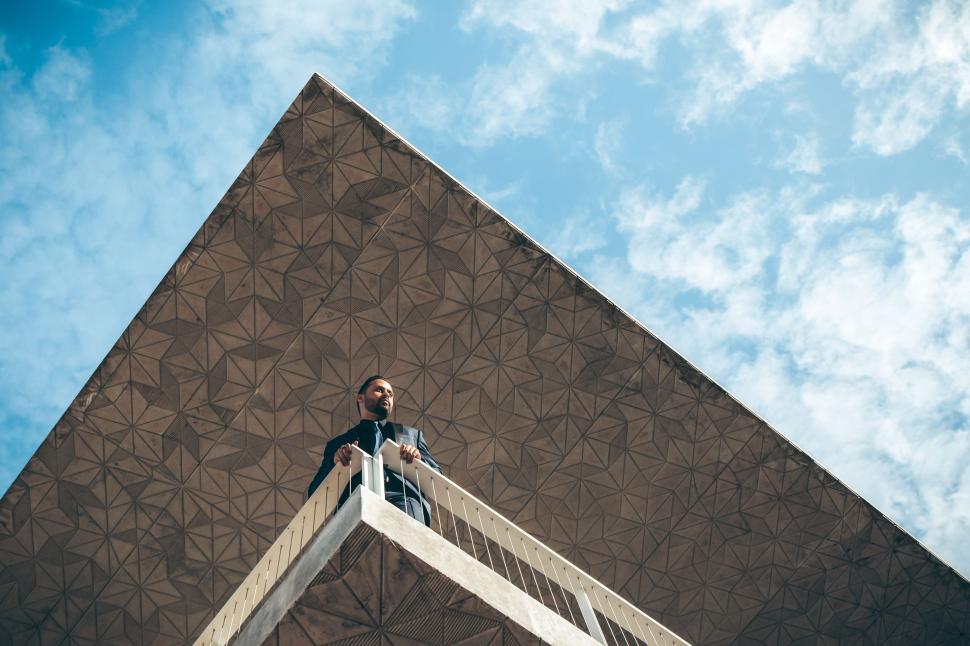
x: 592, y: 624
x: 377, y: 475
x: 365, y: 472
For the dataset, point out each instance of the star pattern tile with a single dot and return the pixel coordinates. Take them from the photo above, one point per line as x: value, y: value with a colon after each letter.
x: 341, y: 252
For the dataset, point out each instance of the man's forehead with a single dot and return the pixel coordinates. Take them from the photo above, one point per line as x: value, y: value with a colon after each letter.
x: 381, y: 383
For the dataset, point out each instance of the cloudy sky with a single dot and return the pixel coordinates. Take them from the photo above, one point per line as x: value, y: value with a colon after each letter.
x: 777, y: 190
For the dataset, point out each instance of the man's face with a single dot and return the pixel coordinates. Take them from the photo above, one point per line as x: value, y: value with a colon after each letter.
x: 377, y: 400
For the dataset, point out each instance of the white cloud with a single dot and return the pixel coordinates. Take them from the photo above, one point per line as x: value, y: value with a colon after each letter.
x: 519, y: 96
x: 250, y: 41
x: 848, y: 328
x: 576, y: 235
x: 62, y: 76
x: 607, y: 144
x: 511, y: 100
x: 113, y: 19
x: 496, y: 195
x: 498, y: 102
x: 893, y: 120
x: 99, y: 194
x: 672, y: 239
x: 575, y: 24
x: 953, y: 148
x: 904, y: 68
x: 425, y: 102
x: 804, y: 157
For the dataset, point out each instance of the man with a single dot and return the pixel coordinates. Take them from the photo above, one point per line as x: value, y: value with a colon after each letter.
x: 375, y: 401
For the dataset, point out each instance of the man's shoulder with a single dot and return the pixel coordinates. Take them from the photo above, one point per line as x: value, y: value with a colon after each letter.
x: 405, y: 428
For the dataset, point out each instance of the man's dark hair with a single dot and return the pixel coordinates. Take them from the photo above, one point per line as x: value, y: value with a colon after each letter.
x: 368, y: 382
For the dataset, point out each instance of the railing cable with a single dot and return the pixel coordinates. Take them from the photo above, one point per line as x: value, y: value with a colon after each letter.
x: 478, y: 510
x: 437, y: 509
x: 548, y: 583
x: 451, y: 507
x: 469, y: 527
x: 603, y: 612
x: 629, y: 626
x: 501, y: 550
x: 404, y: 487
x: 532, y: 570
x: 516, y: 557
x: 417, y: 477
x: 643, y: 633
x: 617, y: 620
x: 555, y: 571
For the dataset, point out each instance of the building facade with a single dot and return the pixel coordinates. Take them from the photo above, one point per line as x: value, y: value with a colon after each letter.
x: 340, y: 252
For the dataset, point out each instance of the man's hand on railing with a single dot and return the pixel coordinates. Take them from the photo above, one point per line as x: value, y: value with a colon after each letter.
x: 344, y: 453
x: 410, y: 453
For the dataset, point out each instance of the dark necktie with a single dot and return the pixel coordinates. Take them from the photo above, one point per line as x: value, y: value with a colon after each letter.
x: 376, y: 437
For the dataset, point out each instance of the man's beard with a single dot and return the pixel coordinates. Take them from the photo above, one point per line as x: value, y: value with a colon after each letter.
x: 379, y: 409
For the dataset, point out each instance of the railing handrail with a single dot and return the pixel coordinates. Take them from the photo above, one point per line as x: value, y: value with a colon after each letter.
x: 655, y: 631
x: 308, y: 520
x: 262, y: 578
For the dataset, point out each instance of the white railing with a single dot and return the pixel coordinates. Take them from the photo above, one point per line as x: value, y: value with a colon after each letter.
x: 284, y: 550
x: 543, y: 574
x: 473, y: 527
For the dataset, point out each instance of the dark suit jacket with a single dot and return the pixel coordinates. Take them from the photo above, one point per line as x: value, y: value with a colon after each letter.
x: 393, y: 482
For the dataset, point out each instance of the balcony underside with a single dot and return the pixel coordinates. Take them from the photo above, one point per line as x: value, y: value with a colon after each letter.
x: 372, y: 572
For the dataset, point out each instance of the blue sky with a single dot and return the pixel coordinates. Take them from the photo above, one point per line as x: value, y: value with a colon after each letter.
x: 777, y: 190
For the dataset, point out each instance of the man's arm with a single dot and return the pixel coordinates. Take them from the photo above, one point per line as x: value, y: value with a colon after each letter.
x: 326, y: 466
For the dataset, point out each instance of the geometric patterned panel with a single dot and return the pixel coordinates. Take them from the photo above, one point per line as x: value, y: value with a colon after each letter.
x: 373, y: 592
x: 341, y: 252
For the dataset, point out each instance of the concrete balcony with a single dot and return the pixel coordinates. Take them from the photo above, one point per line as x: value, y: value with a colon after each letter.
x: 366, y: 570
